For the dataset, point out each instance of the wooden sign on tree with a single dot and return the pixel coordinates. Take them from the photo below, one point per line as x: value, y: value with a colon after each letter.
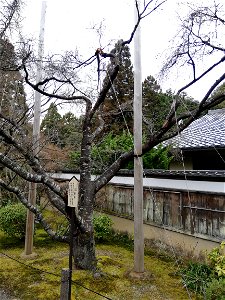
x: 73, y: 192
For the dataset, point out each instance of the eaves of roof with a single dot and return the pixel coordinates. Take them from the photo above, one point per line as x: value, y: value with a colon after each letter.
x: 202, y: 175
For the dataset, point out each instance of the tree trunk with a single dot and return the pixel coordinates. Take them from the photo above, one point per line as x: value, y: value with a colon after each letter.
x: 83, y: 243
x: 84, y: 251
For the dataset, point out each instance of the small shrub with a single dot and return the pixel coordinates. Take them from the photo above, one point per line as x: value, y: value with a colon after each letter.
x: 215, y: 289
x: 102, y: 227
x: 123, y: 239
x: 13, y: 220
x: 196, y: 276
x: 217, y: 260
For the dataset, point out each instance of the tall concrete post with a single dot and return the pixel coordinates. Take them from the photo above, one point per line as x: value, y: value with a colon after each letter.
x: 36, y: 136
x: 138, y: 165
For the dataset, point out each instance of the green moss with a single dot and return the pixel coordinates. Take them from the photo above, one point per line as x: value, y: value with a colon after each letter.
x: 115, y: 263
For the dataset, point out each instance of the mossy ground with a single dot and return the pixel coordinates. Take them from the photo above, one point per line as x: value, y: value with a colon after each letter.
x: 115, y: 261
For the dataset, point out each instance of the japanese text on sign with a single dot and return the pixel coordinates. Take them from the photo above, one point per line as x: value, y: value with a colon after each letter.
x: 73, y: 192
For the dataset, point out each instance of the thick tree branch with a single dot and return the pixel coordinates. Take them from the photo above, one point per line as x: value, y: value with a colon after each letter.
x: 100, y: 127
x: 187, y: 118
x: 23, y: 149
x: 35, y: 210
x: 105, y: 89
x: 38, y: 178
x: 52, y: 95
x: 110, y: 172
x: 162, y: 135
x: 63, y: 208
x: 176, y: 103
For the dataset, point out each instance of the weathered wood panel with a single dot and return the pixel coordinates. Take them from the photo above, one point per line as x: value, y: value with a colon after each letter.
x: 195, y: 213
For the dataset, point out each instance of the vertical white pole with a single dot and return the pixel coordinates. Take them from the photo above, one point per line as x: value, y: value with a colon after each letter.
x: 37, y: 102
x: 138, y: 167
x: 36, y: 136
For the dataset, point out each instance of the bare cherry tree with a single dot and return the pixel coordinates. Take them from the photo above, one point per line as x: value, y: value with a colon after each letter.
x: 61, y: 84
x: 200, y: 37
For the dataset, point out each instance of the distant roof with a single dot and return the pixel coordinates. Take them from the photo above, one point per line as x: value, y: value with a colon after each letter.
x: 205, y: 132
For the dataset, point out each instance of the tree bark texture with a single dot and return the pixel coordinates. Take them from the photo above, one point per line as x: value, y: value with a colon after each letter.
x: 83, y: 243
x: 84, y: 251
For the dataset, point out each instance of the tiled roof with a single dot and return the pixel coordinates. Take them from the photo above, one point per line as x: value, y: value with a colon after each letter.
x: 206, y: 132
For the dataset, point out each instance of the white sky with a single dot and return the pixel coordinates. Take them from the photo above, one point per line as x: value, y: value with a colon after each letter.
x: 68, y: 24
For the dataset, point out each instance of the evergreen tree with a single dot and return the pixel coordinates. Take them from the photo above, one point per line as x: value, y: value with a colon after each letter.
x: 156, y: 105
x: 64, y: 131
x: 118, y: 104
x: 70, y: 131
x: 13, y: 109
x: 12, y: 96
x: 51, y: 124
x: 187, y: 103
